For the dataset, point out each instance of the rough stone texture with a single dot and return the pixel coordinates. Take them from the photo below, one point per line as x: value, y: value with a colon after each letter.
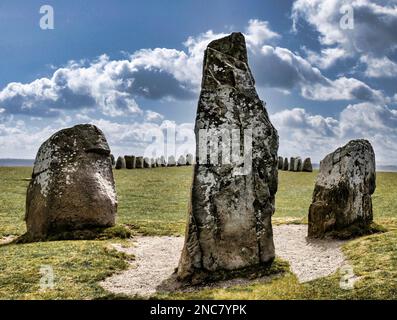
x: 72, y: 186
x: 171, y: 161
x: 146, y: 163
x: 280, y: 163
x: 343, y: 189
x: 307, y: 165
x: 120, y: 163
x: 181, y: 161
x: 129, y: 162
x: 139, y: 162
x: 286, y: 164
x: 292, y: 164
x: 189, y: 159
x: 229, y: 226
x: 298, y: 163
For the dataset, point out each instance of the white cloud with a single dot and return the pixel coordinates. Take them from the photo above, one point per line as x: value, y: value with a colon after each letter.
x: 307, y: 135
x: 379, y: 67
x: 326, y: 57
x: 373, y: 33
x: 153, y: 116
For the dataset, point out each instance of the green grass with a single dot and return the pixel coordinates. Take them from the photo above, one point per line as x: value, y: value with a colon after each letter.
x: 155, y: 202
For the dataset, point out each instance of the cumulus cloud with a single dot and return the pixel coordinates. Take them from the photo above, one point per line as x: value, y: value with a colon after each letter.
x: 373, y: 30
x: 304, y: 134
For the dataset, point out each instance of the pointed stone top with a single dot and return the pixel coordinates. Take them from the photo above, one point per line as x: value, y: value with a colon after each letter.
x: 232, y: 45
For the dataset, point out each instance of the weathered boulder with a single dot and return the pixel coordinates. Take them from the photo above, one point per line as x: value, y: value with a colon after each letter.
x: 189, y: 159
x: 286, y: 164
x: 153, y: 163
x: 292, y: 164
x: 229, y: 226
x: 171, y: 161
x: 138, y: 162
x: 298, y: 163
x: 120, y: 163
x: 342, y: 193
x: 307, y: 165
x: 181, y: 161
x: 280, y: 163
x: 72, y: 186
x: 129, y: 162
x: 113, y: 160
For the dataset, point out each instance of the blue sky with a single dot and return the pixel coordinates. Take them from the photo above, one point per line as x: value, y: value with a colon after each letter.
x: 133, y: 67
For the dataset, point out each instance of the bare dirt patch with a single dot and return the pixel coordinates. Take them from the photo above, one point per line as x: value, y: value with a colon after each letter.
x: 157, y: 257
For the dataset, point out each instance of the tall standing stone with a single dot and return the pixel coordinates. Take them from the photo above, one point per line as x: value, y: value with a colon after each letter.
x: 163, y: 162
x: 342, y: 193
x: 280, y: 163
x: 113, y: 160
x: 181, y: 161
x: 146, y: 163
x: 120, y: 163
x: 229, y: 226
x: 139, y: 162
x: 307, y: 165
x: 292, y: 164
x: 72, y: 186
x: 298, y: 164
x: 286, y: 164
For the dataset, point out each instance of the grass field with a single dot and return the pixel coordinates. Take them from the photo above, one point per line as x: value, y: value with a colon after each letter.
x: 155, y: 202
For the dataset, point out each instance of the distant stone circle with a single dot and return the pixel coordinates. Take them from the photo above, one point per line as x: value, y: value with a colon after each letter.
x: 139, y: 162
x: 295, y: 164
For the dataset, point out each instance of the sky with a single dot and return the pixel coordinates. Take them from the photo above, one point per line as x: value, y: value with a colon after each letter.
x: 326, y: 69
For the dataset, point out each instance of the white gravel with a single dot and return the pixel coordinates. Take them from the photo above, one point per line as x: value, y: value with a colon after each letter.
x: 157, y: 257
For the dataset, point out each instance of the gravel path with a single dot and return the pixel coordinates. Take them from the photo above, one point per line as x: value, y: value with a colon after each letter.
x: 157, y: 257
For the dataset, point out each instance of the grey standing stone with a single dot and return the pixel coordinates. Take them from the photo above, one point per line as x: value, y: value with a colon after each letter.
x: 292, y: 164
x: 72, y: 186
x: 146, y: 163
x: 181, y: 161
x: 129, y: 162
x: 163, y: 162
x: 113, y: 160
x: 307, y: 165
x: 139, y: 162
x: 342, y: 193
x: 171, y: 161
x: 120, y: 163
x: 298, y: 164
x: 229, y: 226
x: 280, y: 163
x: 286, y: 164
x: 189, y: 159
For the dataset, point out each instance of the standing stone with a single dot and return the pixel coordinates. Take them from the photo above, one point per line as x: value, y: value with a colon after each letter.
x: 229, y: 226
x: 120, y: 163
x: 342, y: 193
x: 146, y: 163
x: 286, y: 164
x: 112, y: 160
x: 280, y: 163
x: 292, y: 164
x: 189, y: 159
x: 298, y: 163
x: 153, y: 163
x: 181, y: 161
x: 171, y: 161
x: 307, y: 165
x: 163, y: 162
x: 129, y: 162
x: 72, y: 186
x: 139, y: 162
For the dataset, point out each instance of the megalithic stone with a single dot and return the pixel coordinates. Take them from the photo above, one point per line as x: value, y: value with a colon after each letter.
x: 120, y: 163
x: 229, y: 226
x: 307, y: 165
x: 146, y: 163
x: 189, y: 159
x: 129, y: 162
x: 285, y: 165
x: 298, y: 164
x: 280, y: 163
x: 171, y: 161
x: 342, y: 202
x: 139, y: 162
x: 292, y: 164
